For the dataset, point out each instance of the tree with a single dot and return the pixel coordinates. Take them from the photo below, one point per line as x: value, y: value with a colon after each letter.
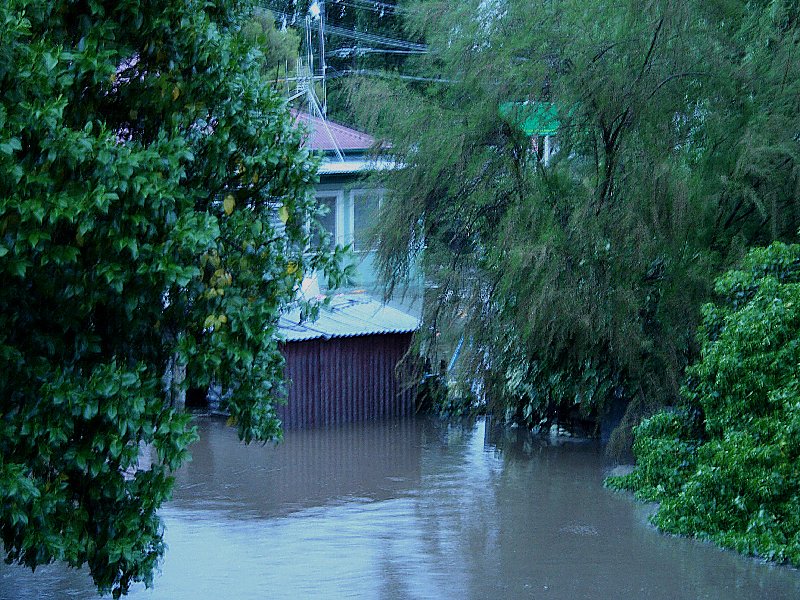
x: 153, y: 211
x: 723, y: 465
x: 580, y: 281
x: 280, y: 47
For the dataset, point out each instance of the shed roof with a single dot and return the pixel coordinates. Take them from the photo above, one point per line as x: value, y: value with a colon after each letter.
x: 347, y: 315
x: 323, y: 134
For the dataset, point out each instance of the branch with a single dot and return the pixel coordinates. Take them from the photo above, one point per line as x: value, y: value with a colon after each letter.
x: 676, y: 76
x: 602, y: 52
x: 652, y: 47
x: 623, y: 118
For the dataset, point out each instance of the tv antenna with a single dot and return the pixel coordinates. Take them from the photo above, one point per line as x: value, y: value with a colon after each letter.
x: 310, y: 77
x: 310, y: 81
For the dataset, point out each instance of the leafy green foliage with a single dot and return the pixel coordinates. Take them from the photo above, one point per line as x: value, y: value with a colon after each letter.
x: 725, y: 466
x: 580, y: 278
x: 153, y: 213
x: 280, y: 46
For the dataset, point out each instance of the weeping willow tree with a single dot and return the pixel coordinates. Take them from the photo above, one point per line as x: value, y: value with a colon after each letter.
x: 578, y: 279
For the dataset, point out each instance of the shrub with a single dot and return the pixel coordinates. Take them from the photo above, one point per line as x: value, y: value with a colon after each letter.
x: 724, y: 466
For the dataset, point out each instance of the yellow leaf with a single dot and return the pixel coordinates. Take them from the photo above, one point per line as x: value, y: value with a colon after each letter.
x: 283, y: 213
x: 228, y: 204
x: 255, y: 177
x: 291, y: 267
x: 175, y: 93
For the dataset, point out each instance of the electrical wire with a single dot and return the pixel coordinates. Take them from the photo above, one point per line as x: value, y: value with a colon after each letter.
x: 360, y: 51
x: 360, y: 36
x: 375, y: 39
x: 378, y: 7
x: 388, y: 75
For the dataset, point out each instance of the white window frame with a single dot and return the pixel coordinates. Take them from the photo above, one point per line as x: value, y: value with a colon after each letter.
x: 344, y: 217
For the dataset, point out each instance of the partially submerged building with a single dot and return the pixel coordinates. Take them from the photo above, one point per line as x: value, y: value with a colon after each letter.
x: 345, y: 366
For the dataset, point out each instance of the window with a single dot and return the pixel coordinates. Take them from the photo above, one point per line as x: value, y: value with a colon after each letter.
x: 544, y: 146
x: 351, y: 216
x: 365, y: 217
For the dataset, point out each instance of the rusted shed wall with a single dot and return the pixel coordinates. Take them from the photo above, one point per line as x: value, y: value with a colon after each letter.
x: 345, y: 380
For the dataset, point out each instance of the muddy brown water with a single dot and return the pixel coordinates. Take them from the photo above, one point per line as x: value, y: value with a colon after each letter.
x: 414, y: 509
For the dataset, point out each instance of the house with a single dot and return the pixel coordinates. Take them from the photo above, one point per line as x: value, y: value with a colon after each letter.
x: 537, y: 120
x: 352, y: 205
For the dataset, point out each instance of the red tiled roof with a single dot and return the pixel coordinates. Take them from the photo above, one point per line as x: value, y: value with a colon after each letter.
x: 321, y: 137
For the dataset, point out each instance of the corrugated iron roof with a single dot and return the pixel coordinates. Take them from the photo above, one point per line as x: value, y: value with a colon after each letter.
x: 347, y: 315
x: 322, y: 134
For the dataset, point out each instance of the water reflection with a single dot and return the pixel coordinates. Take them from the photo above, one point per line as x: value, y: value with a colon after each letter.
x: 415, y: 509
x: 311, y: 468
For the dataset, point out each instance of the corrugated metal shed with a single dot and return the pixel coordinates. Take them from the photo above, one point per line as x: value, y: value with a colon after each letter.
x: 343, y: 367
x: 346, y: 380
x: 348, y: 315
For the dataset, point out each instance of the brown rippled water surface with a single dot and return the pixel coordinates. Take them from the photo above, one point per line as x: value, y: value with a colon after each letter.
x: 414, y: 509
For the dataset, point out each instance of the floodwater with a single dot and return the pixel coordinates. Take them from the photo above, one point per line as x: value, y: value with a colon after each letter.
x: 414, y: 509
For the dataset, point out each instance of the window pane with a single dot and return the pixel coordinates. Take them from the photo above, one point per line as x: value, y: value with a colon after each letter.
x: 328, y: 220
x: 365, y: 215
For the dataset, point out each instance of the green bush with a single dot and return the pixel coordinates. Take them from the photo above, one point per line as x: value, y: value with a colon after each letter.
x: 664, y: 457
x: 725, y: 466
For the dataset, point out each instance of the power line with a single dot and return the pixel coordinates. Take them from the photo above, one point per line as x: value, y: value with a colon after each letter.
x: 375, y: 39
x: 389, y: 75
x: 360, y: 36
x: 378, y: 7
x: 360, y: 51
